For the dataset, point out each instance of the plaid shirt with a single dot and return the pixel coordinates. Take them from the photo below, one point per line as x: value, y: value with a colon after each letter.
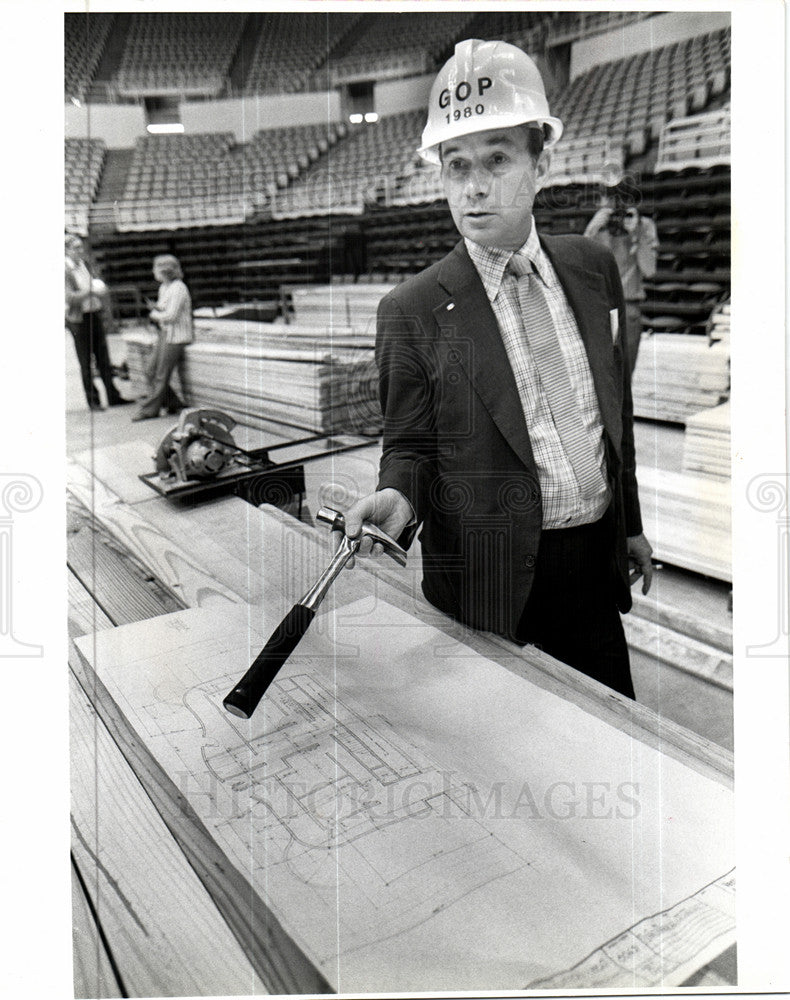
x: 563, y: 504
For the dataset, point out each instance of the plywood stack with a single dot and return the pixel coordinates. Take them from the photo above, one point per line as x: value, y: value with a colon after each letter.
x: 706, y: 444
x: 140, y: 345
x: 308, y: 387
x: 317, y: 379
x: 720, y: 323
x: 677, y: 375
x: 688, y: 520
x: 354, y: 305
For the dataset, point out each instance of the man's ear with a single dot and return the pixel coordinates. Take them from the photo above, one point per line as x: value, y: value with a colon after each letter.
x: 542, y: 169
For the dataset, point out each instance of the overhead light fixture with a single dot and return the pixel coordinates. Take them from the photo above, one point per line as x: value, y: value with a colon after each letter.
x: 355, y: 119
x: 166, y: 128
x: 371, y: 117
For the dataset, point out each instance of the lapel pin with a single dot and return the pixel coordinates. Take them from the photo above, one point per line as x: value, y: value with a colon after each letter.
x: 450, y: 306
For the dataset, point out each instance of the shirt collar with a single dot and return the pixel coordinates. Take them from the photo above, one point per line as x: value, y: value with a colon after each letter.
x: 491, y: 262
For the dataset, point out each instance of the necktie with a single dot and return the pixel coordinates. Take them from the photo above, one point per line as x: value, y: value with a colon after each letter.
x: 550, y: 363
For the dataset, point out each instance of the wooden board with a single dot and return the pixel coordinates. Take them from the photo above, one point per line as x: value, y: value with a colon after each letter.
x: 358, y: 805
x: 93, y: 972
x: 706, y: 443
x: 688, y: 520
x: 677, y: 375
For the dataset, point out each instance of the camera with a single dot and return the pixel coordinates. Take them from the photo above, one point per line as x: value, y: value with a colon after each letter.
x: 616, y: 222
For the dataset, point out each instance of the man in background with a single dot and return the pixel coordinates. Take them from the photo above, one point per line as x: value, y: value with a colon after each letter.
x: 633, y: 240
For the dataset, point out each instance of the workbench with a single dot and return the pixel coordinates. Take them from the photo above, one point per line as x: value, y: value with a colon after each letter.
x: 159, y: 910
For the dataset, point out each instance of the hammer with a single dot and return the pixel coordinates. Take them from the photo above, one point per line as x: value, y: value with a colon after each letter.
x: 244, y: 698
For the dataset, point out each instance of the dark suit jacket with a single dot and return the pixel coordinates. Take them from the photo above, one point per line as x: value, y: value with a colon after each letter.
x: 455, y: 440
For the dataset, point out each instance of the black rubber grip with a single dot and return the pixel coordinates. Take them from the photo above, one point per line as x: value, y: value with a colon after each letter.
x: 244, y: 698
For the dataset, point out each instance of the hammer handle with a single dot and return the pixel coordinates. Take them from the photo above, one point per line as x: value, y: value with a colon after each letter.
x: 244, y: 698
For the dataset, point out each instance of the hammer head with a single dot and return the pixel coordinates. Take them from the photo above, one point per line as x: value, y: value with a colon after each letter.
x: 337, y: 522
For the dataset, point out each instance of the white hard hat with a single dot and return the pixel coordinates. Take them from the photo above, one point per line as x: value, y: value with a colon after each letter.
x: 485, y: 85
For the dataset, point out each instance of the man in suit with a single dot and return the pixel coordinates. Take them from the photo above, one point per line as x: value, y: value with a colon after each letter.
x: 505, y: 391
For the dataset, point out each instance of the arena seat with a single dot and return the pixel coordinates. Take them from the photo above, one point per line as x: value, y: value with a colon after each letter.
x: 696, y: 141
x: 186, y: 54
x: 366, y: 167
x: 636, y: 96
x: 291, y: 46
x: 399, y: 44
x: 84, y: 37
x: 84, y: 159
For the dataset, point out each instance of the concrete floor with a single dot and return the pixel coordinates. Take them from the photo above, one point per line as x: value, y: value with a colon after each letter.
x: 673, y: 693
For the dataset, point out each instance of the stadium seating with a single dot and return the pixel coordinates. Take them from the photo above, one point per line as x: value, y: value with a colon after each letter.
x: 290, y: 47
x: 697, y: 141
x: 83, y: 165
x: 178, y: 53
x: 631, y: 99
x: 364, y: 168
x: 398, y: 44
x: 84, y: 39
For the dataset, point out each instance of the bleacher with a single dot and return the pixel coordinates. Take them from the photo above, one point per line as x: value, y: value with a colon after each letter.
x: 290, y: 47
x: 186, y: 54
x: 84, y: 38
x: 84, y: 159
x: 277, y: 156
x: 398, y: 44
x: 630, y: 100
x: 364, y: 168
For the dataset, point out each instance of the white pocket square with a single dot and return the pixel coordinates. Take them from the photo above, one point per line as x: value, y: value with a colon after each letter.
x: 614, y: 323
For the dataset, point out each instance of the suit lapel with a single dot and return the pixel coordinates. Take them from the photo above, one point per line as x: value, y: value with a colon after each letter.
x: 586, y: 293
x: 467, y: 315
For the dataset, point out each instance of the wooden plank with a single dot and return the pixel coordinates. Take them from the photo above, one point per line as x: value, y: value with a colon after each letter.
x: 680, y: 651
x: 93, y: 973
x: 176, y: 568
x: 119, y: 467
x: 167, y: 936
x: 426, y: 893
x: 268, y: 959
x: 683, y: 620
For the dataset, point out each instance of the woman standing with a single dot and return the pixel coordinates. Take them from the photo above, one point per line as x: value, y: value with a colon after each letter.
x: 86, y: 299
x: 173, y: 316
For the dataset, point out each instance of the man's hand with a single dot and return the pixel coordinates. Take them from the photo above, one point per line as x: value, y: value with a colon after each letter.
x: 388, y: 509
x: 639, y: 552
x: 600, y: 219
x: 631, y: 221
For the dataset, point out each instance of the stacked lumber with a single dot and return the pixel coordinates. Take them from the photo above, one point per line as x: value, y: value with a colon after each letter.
x: 267, y: 375
x: 679, y: 374
x: 720, y: 323
x: 706, y: 443
x: 688, y: 520
x: 140, y: 344
x: 301, y: 386
x: 353, y: 305
x: 226, y: 330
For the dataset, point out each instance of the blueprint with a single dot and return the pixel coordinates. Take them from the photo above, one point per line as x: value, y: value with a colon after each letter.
x: 420, y: 818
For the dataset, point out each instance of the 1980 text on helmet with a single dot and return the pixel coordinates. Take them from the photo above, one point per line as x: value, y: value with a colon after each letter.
x: 485, y: 85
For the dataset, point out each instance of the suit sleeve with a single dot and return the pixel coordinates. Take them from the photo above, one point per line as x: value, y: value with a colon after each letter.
x: 407, y: 377
x: 633, y: 517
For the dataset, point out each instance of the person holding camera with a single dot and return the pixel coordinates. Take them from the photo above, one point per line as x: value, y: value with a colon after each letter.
x: 634, y: 242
